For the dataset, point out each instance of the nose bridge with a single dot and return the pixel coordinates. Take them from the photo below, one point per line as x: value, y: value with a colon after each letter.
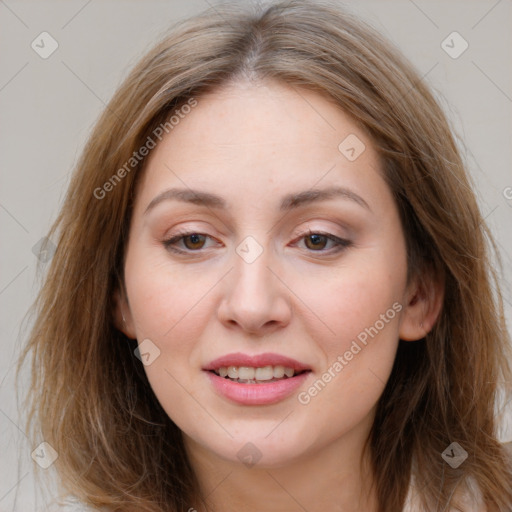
x: 254, y: 298
x: 251, y: 275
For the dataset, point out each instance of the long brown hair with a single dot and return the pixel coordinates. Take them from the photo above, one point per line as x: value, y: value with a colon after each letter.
x: 89, y: 396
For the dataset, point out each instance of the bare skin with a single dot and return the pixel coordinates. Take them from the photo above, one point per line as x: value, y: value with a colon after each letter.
x: 306, y: 298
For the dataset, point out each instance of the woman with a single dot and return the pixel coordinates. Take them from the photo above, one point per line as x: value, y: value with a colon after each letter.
x: 272, y: 288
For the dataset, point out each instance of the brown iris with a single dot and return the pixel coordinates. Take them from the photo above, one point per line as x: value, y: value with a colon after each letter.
x: 317, y: 241
x: 197, y: 241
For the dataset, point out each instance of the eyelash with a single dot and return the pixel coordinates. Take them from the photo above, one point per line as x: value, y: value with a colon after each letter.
x: 340, y: 243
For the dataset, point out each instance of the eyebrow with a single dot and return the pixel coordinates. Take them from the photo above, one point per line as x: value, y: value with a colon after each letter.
x: 288, y: 202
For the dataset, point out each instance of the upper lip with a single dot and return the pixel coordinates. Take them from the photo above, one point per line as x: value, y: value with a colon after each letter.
x: 256, y: 361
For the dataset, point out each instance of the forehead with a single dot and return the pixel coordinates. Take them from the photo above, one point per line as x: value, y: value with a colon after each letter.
x: 257, y: 139
x: 269, y: 113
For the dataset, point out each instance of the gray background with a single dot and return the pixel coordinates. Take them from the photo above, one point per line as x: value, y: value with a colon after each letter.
x: 48, y: 106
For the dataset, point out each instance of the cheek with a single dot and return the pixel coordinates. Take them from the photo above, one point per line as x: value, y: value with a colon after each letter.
x: 359, y: 307
x: 163, y: 296
x: 351, y: 299
x: 171, y: 309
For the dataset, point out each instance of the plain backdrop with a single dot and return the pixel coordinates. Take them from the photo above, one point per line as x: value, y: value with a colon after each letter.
x: 48, y: 106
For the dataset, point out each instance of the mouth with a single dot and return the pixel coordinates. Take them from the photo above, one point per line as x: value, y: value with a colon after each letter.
x: 257, y: 375
x: 262, y: 379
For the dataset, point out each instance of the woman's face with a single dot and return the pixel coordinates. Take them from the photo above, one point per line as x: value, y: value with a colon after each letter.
x: 258, y: 283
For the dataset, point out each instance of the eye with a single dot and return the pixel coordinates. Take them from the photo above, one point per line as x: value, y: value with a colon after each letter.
x: 317, y: 241
x: 314, y: 241
x: 192, y: 241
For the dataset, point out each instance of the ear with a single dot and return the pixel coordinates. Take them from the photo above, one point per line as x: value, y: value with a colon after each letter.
x: 424, y: 299
x: 122, y: 315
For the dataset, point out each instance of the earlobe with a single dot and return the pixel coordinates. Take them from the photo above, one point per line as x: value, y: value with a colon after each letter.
x: 122, y: 316
x: 422, y: 309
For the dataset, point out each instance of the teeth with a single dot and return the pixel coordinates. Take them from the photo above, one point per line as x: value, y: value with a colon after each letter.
x: 265, y: 373
x: 278, y: 372
x: 247, y: 373
x: 232, y: 372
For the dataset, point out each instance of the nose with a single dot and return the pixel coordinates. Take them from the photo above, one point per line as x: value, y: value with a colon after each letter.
x: 255, y: 299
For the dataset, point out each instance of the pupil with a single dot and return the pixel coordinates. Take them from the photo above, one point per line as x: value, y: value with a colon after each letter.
x: 194, y: 238
x: 316, y: 240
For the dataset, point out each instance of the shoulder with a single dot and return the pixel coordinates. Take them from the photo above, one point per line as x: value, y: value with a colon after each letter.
x: 468, y: 500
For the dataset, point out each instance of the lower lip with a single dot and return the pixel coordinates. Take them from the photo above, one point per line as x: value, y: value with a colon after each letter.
x: 256, y: 394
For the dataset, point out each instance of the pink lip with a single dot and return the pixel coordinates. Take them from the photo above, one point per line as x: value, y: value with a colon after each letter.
x: 257, y: 361
x: 256, y: 394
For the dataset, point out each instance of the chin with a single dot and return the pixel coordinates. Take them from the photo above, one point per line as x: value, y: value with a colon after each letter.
x: 257, y: 448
